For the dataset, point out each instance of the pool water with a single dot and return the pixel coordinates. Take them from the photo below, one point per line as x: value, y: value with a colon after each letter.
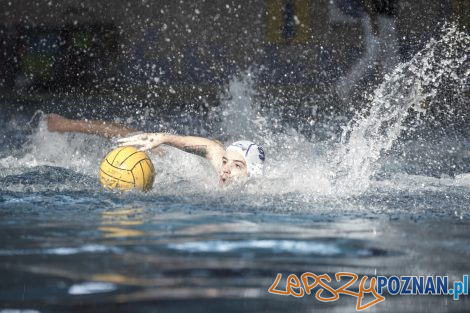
x: 388, y: 196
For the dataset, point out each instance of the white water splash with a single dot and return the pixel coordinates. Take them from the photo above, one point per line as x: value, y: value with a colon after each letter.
x: 294, y: 164
x: 409, y: 86
x: 72, y: 151
x: 297, y: 165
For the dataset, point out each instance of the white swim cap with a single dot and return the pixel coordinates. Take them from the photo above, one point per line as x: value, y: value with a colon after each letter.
x: 253, y: 155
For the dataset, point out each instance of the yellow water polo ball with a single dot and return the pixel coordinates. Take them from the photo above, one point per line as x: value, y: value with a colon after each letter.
x: 127, y: 168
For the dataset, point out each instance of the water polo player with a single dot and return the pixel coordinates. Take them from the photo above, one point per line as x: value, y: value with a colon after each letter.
x: 238, y: 163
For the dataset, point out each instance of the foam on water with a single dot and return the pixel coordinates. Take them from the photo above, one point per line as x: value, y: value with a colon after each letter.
x: 91, y: 288
x: 62, y: 250
x: 278, y: 246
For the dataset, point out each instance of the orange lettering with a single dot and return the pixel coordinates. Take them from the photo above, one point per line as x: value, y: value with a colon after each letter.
x: 304, y: 287
x: 317, y: 295
x: 296, y: 284
x: 272, y: 289
x: 343, y: 290
x: 363, y: 290
x: 308, y: 287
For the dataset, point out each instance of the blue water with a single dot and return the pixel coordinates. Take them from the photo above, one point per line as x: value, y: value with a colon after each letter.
x: 400, y: 208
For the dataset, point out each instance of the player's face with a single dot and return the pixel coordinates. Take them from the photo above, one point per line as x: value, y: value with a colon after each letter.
x: 233, y: 168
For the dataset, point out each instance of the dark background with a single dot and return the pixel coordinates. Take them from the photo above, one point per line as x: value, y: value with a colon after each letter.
x: 98, y: 57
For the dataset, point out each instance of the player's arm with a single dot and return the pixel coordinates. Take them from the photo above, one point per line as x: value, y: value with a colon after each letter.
x: 204, y: 147
x: 58, y: 123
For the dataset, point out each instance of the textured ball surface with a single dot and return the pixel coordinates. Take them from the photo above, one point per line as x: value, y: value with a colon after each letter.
x: 127, y: 168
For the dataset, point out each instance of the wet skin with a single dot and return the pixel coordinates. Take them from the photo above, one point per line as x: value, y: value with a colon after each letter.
x: 233, y: 168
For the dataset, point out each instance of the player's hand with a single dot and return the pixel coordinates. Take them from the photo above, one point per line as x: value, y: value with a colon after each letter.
x: 143, y: 142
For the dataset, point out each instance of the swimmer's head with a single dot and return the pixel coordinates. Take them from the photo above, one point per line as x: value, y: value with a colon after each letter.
x: 243, y: 160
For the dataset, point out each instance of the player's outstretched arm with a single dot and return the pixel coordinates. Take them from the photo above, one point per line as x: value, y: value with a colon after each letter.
x: 58, y: 123
x: 106, y: 129
x: 204, y: 147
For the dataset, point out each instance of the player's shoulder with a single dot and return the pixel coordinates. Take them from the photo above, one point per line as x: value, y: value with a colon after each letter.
x: 220, y: 144
x: 215, y: 153
x: 217, y: 149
